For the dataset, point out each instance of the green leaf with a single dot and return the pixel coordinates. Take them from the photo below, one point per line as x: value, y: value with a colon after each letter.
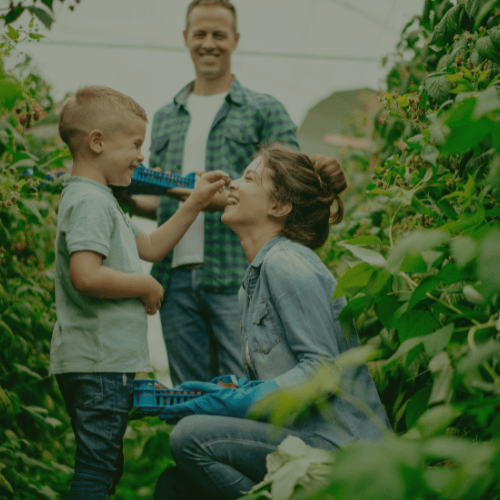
x: 494, y: 34
x: 484, y: 10
x: 416, y: 406
x: 413, y: 264
x: 366, y: 255
x: 450, y: 274
x: 438, y: 88
x: 472, y: 7
x: 436, y: 420
x: 5, y: 485
x: 36, y: 36
x: 438, y: 340
x: 414, y: 244
x: 489, y: 265
x: 364, y: 240
x: 43, y: 15
x: 460, y: 115
x: 478, y: 356
x: 465, y: 138
x: 479, y: 163
x: 25, y: 369
x: 437, y: 129
x: 448, y: 26
x: 430, y: 154
x: 427, y: 284
x: 31, y: 208
x: 357, y: 276
x: 385, y: 307
x: 48, y: 3
x: 448, y: 210
x: 441, y: 364
x: 379, y: 280
x: 487, y: 49
x: 486, y: 102
x: 463, y: 249
x: 472, y: 295
x: 10, y: 91
x: 415, y: 323
x: 12, y: 33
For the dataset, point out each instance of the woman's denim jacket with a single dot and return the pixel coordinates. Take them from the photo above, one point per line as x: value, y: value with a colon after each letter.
x: 289, y: 328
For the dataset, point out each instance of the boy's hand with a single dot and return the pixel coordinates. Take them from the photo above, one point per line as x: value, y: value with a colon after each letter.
x: 209, y: 184
x: 152, y: 299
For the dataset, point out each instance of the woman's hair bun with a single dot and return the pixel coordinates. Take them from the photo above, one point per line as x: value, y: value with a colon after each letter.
x: 311, y: 185
x: 332, y: 178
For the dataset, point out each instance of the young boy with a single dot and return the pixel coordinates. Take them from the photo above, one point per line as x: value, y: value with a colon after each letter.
x: 102, y: 297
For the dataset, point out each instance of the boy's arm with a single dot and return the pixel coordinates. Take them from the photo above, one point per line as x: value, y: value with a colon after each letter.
x: 159, y: 243
x: 89, y: 277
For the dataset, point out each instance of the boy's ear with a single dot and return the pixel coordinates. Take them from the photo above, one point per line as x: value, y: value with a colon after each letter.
x: 279, y: 210
x: 95, y: 141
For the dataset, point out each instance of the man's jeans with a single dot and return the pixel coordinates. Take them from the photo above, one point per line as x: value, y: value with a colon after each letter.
x: 98, y: 404
x: 221, y: 457
x: 201, y: 330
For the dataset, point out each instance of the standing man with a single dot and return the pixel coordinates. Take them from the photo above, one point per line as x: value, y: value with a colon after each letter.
x: 212, y: 123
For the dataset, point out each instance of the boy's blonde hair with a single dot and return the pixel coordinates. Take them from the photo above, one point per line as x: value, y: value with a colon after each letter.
x: 94, y: 106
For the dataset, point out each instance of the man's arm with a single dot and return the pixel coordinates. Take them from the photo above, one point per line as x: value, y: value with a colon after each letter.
x: 144, y: 206
x: 278, y: 126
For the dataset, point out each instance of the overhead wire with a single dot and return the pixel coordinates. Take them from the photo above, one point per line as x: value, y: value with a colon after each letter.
x: 164, y: 48
x: 362, y: 13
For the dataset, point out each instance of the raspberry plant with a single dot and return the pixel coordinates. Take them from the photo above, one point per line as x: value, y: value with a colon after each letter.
x: 419, y: 260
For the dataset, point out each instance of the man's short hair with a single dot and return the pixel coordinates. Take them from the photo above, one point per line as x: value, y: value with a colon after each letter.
x: 94, y: 106
x: 222, y: 3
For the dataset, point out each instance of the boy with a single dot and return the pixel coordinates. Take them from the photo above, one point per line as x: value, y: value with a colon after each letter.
x: 102, y: 297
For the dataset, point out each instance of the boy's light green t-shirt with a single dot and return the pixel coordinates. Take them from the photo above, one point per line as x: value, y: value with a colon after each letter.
x: 92, y: 334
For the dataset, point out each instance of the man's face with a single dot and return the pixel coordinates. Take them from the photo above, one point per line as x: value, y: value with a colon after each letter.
x: 211, y: 38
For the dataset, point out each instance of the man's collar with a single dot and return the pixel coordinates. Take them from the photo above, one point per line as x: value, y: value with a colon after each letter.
x: 235, y: 93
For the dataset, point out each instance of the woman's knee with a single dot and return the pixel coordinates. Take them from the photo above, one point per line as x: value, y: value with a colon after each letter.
x: 184, y: 435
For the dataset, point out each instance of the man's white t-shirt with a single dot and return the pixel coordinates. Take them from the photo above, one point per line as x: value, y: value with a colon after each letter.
x: 203, y: 110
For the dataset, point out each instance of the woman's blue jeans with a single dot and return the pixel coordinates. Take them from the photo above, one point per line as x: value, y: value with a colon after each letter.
x: 221, y: 457
x: 98, y: 405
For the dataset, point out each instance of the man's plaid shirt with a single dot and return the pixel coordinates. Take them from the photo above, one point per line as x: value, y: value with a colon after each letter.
x: 245, y: 120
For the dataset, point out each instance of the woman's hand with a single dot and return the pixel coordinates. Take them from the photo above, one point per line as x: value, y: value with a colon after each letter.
x: 218, y: 400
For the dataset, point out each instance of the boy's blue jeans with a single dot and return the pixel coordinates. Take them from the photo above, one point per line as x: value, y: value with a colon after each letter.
x: 98, y: 405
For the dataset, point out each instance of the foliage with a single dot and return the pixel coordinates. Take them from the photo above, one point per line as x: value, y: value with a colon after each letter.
x: 33, y: 423
x: 37, y: 443
x: 419, y: 260
x: 44, y: 12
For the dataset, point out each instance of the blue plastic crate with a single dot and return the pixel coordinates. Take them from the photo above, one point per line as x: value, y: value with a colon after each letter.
x: 150, y: 397
x: 144, y: 181
x: 149, y: 181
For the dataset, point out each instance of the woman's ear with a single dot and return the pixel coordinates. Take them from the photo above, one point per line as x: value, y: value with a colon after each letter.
x: 95, y: 141
x: 279, y: 210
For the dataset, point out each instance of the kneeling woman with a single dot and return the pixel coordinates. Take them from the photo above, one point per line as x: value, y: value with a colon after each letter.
x: 280, y: 210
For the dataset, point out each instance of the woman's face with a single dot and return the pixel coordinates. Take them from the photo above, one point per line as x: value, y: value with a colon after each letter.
x: 249, y: 201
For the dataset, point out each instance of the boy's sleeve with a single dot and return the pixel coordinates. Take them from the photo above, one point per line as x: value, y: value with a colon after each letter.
x: 89, y: 226
x: 135, y: 228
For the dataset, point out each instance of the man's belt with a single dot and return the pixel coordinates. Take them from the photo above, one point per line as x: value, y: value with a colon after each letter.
x: 189, y: 267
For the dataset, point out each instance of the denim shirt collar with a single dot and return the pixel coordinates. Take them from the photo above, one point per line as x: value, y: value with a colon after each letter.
x: 235, y: 94
x: 252, y: 273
